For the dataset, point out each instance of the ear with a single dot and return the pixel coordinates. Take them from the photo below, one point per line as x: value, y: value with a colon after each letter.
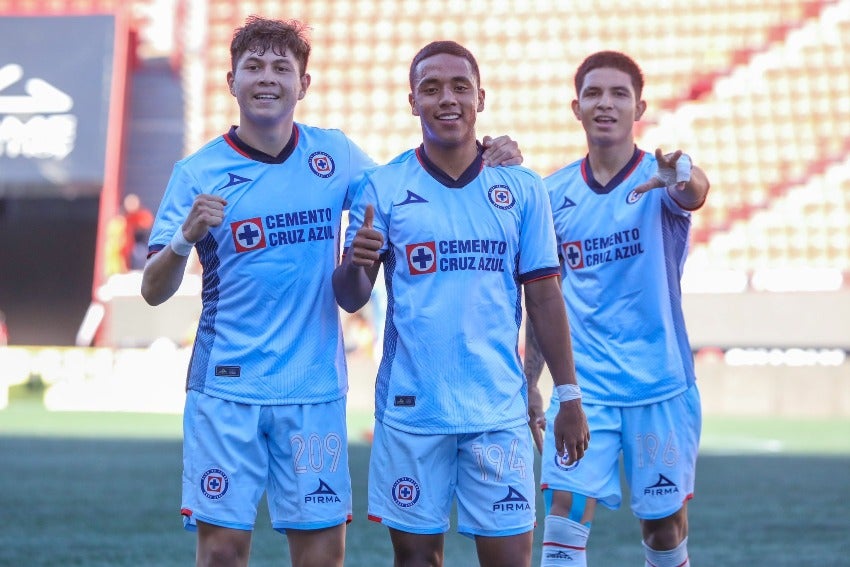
x: 480, y: 100
x: 576, y: 109
x: 305, y: 84
x: 640, y: 108
x: 230, y: 79
x: 412, y: 100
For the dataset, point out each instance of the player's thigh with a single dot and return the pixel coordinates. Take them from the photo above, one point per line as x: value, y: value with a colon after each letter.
x: 597, y: 474
x: 309, y: 484
x: 496, y: 485
x: 412, y: 480
x: 508, y: 551
x: 225, y: 463
x: 661, y: 442
x: 317, y: 548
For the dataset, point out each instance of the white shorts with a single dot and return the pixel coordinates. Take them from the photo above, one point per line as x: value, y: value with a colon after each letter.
x: 414, y: 480
x: 659, y: 444
x: 233, y: 452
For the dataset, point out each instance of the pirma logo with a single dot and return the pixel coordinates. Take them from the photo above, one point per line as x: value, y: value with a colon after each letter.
x: 322, y: 495
x: 248, y: 235
x: 663, y: 487
x: 513, y: 502
x: 321, y: 164
x: 214, y: 484
x: 405, y: 492
x: 421, y: 258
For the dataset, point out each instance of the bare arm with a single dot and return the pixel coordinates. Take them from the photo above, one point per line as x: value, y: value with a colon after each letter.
x: 548, y: 315
x: 164, y: 270
x: 354, y: 278
x: 533, y: 368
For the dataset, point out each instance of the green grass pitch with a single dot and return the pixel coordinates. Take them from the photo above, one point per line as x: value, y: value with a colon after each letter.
x: 104, y: 490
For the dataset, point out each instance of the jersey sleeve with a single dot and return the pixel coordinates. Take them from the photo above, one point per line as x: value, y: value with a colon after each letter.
x: 538, y: 246
x: 176, y: 203
x: 366, y: 194
x: 359, y: 163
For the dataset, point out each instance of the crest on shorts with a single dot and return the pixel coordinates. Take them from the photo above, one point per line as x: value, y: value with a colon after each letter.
x: 214, y: 484
x: 561, y: 462
x: 405, y: 492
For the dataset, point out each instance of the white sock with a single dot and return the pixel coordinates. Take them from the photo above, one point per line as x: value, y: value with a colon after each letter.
x: 677, y: 557
x: 564, y: 543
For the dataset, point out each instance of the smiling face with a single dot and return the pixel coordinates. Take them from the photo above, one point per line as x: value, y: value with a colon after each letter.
x: 267, y: 87
x: 608, y: 107
x: 446, y: 97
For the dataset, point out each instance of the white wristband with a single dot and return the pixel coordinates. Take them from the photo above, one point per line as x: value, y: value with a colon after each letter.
x: 180, y: 245
x: 568, y: 392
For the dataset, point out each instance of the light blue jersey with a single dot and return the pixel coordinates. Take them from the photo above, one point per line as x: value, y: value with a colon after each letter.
x: 628, y: 332
x: 269, y: 330
x: 455, y: 255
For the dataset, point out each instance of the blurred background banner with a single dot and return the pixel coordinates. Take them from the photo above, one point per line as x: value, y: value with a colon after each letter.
x: 55, y: 76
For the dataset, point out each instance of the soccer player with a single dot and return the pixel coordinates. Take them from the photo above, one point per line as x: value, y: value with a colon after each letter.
x: 622, y: 218
x: 458, y: 242
x: 267, y: 383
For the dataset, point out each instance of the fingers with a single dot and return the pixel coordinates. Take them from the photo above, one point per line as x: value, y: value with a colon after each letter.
x: 207, y: 211
x: 654, y: 182
x: 501, y: 151
x: 367, y: 241
x: 538, y: 426
x: 368, y: 217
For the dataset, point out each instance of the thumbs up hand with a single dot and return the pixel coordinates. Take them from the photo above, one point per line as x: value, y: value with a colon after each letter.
x: 367, y: 241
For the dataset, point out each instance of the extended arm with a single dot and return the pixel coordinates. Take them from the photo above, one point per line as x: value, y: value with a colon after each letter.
x: 548, y: 315
x: 687, y: 184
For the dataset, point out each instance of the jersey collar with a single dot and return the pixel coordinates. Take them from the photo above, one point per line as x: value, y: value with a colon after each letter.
x: 252, y: 153
x: 627, y: 170
x: 444, y: 178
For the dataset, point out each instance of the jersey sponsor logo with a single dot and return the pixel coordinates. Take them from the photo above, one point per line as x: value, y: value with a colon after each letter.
x: 248, y: 235
x: 321, y: 164
x: 573, y: 254
x: 601, y: 250
x: 405, y: 492
x: 501, y: 196
x: 228, y: 371
x: 663, y: 487
x: 214, y: 484
x: 235, y: 180
x: 633, y: 197
x: 513, y: 502
x: 411, y: 198
x: 561, y: 461
x: 567, y: 204
x: 322, y: 495
x: 421, y: 258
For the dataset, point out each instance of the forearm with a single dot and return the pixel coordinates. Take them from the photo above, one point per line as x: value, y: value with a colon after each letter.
x: 548, y: 317
x: 693, y: 196
x: 353, y: 284
x: 533, y: 361
x: 162, y: 276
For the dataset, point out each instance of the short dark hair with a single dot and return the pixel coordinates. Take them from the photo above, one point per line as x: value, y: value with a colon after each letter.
x: 259, y: 34
x: 449, y: 48
x: 611, y: 60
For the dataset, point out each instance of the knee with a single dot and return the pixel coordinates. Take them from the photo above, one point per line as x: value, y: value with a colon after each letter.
x: 665, y: 533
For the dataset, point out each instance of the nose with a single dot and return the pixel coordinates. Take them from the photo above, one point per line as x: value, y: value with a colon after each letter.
x: 605, y: 100
x: 447, y: 96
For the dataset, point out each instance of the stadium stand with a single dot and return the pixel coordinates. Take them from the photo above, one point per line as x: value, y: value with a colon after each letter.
x: 758, y: 92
